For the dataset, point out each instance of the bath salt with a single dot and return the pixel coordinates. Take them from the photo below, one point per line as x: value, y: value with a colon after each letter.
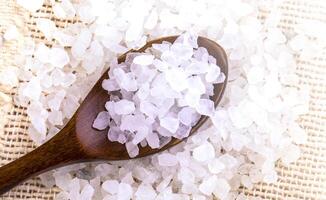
x: 254, y: 126
x: 149, y: 108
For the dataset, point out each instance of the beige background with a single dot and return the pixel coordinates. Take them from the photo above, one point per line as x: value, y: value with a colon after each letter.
x: 305, y: 179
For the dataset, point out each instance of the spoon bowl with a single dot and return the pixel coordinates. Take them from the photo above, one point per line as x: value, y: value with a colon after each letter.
x: 78, y: 141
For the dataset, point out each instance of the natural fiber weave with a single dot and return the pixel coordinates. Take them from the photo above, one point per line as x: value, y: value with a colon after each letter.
x: 305, y: 179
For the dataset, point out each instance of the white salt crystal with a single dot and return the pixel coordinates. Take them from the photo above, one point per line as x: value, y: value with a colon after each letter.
x: 245, y: 180
x: 58, y: 11
x: 58, y: 57
x: 46, y: 26
x: 192, y: 99
x: 186, y: 175
x: 153, y: 140
x: 170, y: 123
x: 134, y: 31
x: 151, y: 21
x: 81, y: 43
x: 32, y: 5
x: 57, y: 76
x: 187, y: 116
x: 132, y: 149
x: 9, y: 77
x: 87, y: 192
x: 102, y: 120
x: 111, y: 186
x: 110, y: 85
x: 255, y: 75
x: 167, y: 159
x: 216, y: 166
x: 222, y: 188
x: 124, y: 191
x: 204, y: 152
x: 238, y: 118
x: 68, y: 8
x: 11, y: 33
x: 114, y: 134
x: 177, y: 79
x: 196, y: 85
x: 143, y: 59
x: 148, y: 109
x: 55, y: 102
x: 208, y: 185
x: 33, y: 89
x: 42, y: 53
x: 141, y: 134
x: 205, y: 107
x: 36, y: 135
x: 124, y: 107
x: 213, y: 73
x: 145, y: 192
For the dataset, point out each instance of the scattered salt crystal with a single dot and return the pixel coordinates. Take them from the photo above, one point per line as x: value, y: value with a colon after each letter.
x: 58, y: 57
x: 69, y: 9
x: 33, y: 89
x: 222, y: 188
x: 145, y: 192
x: 208, y: 185
x: 46, y: 26
x: 245, y: 180
x: 216, y: 166
x: 111, y: 186
x: 204, y: 152
x: 11, y: 33
x: 32, y: 5
x: 166, y: 159
x: 186, y: 175
x: 124, y: 191
x: 102, y: 120
x: 9, y: 77
x: 58, y: 11
x: 87, y: 192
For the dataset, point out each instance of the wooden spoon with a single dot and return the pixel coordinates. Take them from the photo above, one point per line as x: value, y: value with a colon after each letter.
x: 79, y: 142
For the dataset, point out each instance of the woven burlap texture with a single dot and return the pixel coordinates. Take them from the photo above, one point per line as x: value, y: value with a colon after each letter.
x: 305, y: 179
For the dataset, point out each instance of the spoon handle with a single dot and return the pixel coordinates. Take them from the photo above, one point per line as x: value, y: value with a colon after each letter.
x: 61, y: 150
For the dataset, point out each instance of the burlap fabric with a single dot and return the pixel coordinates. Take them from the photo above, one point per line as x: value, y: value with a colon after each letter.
x: 305, y: 179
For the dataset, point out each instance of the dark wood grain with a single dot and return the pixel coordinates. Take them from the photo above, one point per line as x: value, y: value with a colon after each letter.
x: 79, y: 142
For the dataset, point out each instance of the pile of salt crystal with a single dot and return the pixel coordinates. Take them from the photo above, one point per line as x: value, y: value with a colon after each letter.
x: 246, y: 147
x: 164, y: 91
